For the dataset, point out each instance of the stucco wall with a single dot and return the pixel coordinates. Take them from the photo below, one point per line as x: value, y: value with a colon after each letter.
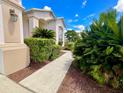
x: 13, y: 57
x: 12, y: 64
x: 43, y: 15
x: 26, y: 26
x: 16, y: 1
x: 14, y: 54
x: 33, y: 22
x: 51, y: 25
x: 59, y: 23
x: 12, y: 33
x: 1, y: 25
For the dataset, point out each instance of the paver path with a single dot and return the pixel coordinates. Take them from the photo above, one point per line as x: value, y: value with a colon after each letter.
x: 49, y: 78
x: 8, y: 86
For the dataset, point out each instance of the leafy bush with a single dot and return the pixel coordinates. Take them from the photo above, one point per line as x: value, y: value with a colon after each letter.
x: 72, y: 35
x: 60, y: 43
x: 99, y: 53
x: 55, y: 52
x: 43, y: 33
x: 42, y: 49
x: 69, y: 46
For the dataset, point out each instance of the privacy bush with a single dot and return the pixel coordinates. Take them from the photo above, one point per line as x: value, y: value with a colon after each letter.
x: 42, y: 49
x: 100, y: 51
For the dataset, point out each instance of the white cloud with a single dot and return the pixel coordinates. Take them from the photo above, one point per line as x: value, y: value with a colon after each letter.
x: 79, y: 27
x: 84, y: 3
x: 89, y: 16
x: 76, y: 15
x: 119, y: 6
x: 70, y: 20
x: 69, y: 28
x: 78, y: 31
x: 76, y: 20
x: 47, y: 8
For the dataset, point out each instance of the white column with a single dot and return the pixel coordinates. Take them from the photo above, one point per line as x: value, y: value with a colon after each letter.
x: 21, y: 27
x: 33, y: 22
x: 63, y: 44
x: 1, y: 25
x: 57, y: 35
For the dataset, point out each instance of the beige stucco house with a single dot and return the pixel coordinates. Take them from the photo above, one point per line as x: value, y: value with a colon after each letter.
x: 17, y: 24
x: 45, y: 19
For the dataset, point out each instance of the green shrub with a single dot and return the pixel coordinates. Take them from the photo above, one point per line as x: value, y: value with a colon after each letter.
x: 99, y: 53
x: 69, y: 46
x: 60, y: 43
x: 72, y: 35
x: 55, y: 52
x: 41, y: 49
x: 43, y: 33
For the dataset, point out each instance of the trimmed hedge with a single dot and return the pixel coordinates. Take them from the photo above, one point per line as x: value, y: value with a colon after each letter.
x: 42, y: 49
x: 55, y: 52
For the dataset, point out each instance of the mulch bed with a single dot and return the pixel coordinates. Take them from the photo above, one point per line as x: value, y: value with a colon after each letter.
x: 34, y: 66
x: 75, y: 82
x: 20, y: 75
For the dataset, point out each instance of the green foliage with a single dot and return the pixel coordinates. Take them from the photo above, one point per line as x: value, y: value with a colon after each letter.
x: 96, y: 74
x: 43, y: 33
x: 99, y: 52
x: 55, y: 52
x: 69, y: 46
x: 72, y: 36
x: 42, y: 49
x: 60, y: 43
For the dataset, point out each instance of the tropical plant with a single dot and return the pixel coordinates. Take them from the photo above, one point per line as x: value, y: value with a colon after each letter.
x: 100, y: 52
x: 72, y: 35
x: 43, y: 33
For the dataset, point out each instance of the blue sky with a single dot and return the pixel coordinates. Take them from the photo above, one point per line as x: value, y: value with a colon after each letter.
x: 78, y: 14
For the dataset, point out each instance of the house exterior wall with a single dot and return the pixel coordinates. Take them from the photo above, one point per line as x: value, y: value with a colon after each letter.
x: 18, y: 2
x: 26, y: 26
x: 12, y: 30
x: 13, y: 57
x: 51, y: 25
x: 33, y: 23
x: 14, y: 54
x: 59, y: 23
x: 1, y: 25
x: 43, y: 15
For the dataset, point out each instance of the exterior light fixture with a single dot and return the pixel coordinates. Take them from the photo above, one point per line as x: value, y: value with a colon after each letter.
x: 13, y: 15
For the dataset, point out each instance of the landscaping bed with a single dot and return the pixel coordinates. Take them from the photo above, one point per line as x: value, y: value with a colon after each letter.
x: 75, y: 82
x: 34, y: 66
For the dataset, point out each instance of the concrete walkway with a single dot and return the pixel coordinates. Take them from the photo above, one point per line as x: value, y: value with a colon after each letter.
x: 49, y: 78
x: 8, y: 86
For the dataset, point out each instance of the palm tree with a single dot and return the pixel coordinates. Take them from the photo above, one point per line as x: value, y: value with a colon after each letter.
x: 43, y: 33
